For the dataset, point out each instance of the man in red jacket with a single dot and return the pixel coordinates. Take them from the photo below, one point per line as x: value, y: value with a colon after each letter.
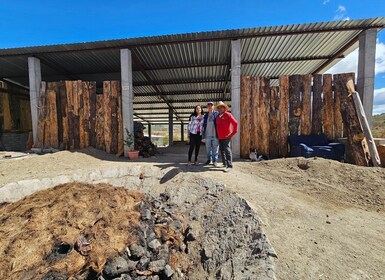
x: 227, y: 127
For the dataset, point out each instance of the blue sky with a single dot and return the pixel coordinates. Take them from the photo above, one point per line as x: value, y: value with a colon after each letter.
x: 28, y: 23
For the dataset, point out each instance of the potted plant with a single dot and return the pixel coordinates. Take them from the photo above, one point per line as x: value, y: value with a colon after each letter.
x: 129, y: 140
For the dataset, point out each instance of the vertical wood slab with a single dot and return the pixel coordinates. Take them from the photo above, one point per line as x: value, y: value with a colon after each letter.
x: 283, y: 115
x: 70, y: 114
x: 114, y: 117
x: 82, y: 124
x: 63, y: 120
x: 47, y: 123
x: 92, y: 92
x: 120, y: 124
x: 52, y: 119
x: 306, y: 104
x: 328, y: 107
x: 245, y: 116
x: 295, y: 109
x: 107, y: 115
x: 76, y: 92
x: 274, y: 123
x: 338, y: 125
x: 356, y: 152
x: 41, y: 116
x: 86, y: 114
x: 254, y: 113
x: 317, y: 105
x: 264, y: 116
x: 99, y: 124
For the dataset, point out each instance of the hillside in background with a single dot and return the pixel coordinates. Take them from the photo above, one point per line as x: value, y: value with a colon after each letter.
x: 378, y: 129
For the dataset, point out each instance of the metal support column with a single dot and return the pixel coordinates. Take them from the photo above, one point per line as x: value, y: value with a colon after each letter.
x: 182, y: 132
x: 365, y: 75
x: 236, y: 92
x: 170, y: 126
x: 149, y: 131
x: 127, y: 93
x: 34, y: 92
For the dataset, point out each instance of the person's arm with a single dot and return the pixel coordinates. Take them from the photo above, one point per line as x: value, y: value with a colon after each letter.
x: 234, y: 123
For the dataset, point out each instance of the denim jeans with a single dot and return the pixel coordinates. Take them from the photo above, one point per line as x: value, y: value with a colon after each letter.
x: 212, y: 148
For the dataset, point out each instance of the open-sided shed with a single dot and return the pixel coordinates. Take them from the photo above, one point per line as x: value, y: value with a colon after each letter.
x: 164, y: 77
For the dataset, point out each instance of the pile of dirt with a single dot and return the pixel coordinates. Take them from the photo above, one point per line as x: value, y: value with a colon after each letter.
x: 326, y: 180
x: 194, y: 230
x: 40, y: 234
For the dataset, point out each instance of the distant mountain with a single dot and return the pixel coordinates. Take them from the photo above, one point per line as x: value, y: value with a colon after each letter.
x: 378, y: 126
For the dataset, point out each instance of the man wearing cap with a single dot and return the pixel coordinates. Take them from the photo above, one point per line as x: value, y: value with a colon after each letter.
x: 210, y: 134
x: 227, y: 127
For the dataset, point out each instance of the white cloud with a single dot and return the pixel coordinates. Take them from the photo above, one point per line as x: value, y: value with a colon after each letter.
x: 341, y: 13
x: 341, y: 9
x: 379, y: 96
x: 350, y: 62
x: 325, y: 2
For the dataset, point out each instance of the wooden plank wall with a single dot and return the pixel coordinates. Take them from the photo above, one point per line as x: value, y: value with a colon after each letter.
x: 71, y: 116
x: 300, y: 105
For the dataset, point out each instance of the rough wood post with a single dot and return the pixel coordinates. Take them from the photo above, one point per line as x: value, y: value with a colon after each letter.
x: 182, y: 132
x: 365, y: 73
x: 295, y: 109
x: 170, y: 127
x: 317, y: 105
x: 127, y: 94
x: 34, y: 92
x: 328, y: 107
x: 244, y: 125
x: 236, y: 91
x: 149, y: 131
x: 284, y: 115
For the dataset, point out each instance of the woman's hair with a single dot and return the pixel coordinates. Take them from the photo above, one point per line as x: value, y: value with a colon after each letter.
x: 195, y: 111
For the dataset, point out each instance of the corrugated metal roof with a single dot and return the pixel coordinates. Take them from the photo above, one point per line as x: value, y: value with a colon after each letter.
x: 189, y: 69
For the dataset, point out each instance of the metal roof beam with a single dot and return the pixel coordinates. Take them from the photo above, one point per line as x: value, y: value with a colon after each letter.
x: 196, y: 100
x: 152, y: 83
x: 337, y: 54
x: 63, y: 71
x: 181, y: 92
x: 163, y: 108
x: 304, y: 30
x: 57, y: 68
x: 160, y: 83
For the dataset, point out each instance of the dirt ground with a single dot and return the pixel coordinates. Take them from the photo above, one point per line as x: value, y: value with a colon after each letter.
x: 325, y: 219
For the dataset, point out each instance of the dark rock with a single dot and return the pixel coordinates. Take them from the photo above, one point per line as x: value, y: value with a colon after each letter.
x: 53, y: 275
x: 190, y: 234
x: 176, y: 224
x: 137, y: 251
x: 116, y: 266
x: 163, y: 252
x: 154, y: 244
x: 125, y: 277
x: 157, y: 266
x: 168, y: 271
x: 143, y: 263
x: 146, y: 215
x: 59, y: 251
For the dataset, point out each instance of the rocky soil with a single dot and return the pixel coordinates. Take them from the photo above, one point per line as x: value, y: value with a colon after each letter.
x: 325, y: 219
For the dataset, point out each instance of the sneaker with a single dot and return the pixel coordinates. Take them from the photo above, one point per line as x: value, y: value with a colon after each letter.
x: 189, y: 163
x: 215, y: 164
x: 224, y: 165
x: 228, y: 169
x: 196, y: 163
x: 207, y: 162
